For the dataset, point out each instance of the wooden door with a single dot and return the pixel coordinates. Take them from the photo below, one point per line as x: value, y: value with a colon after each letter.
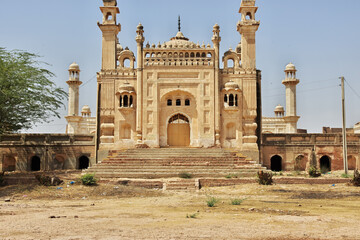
x: 179, y: 134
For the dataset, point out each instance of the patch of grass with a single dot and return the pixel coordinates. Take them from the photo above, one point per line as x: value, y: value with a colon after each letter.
x: 88, y: 179
x: 237, y: 201
x: 344, y: 175
x: 185, y: 175
x: 212, y: 201
x: 231, y: 175
x: 192, y: 215
x: 264, y: 178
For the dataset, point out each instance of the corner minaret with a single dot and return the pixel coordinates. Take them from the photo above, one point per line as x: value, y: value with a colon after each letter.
x: 290, y: 83
x: 74, y: 83
x: 110, y: 30
x: 247, y: 27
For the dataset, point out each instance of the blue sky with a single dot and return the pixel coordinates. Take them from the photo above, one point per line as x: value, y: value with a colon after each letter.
x: 320, y: 37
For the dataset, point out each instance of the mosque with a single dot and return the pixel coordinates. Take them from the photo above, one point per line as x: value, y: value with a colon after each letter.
x: 176, y: 95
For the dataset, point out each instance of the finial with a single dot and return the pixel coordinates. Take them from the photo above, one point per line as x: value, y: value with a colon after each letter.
x: 179, y: 24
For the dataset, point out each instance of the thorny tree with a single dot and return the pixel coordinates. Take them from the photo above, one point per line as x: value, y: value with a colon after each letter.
x: 27, y: 95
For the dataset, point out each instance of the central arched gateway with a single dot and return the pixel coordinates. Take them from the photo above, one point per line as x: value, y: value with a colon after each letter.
x: 178, y: 132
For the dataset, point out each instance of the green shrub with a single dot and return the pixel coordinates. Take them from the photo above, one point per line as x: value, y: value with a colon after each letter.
x: 185, y: 175
x: 356, y: 179
x: 88, y: 179
x: 264, y: 178
x: 314, y: 172
x: 211, y: 201
x: 237, y: 201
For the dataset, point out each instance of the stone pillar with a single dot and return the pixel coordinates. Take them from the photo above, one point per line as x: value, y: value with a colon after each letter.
x: 247, y: 27
x: 139, y: 89
x: 216, y: 39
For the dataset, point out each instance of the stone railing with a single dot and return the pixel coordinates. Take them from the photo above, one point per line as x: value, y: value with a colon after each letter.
x: 308, y: 139
x: 46, y: 139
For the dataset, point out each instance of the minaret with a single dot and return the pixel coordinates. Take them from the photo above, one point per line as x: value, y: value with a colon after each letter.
x: 247, y: 27
x: 110, y: 30
x: 290, y: 83
x: 74, y: 83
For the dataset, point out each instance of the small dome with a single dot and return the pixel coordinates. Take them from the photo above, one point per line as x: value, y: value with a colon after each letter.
x: 231, y: 85
x: 85, y: 109
x: 279, y: 109
x: 126, y: 87
x: 290, y: 67
x: 74, y: 66
x: 119, y: 47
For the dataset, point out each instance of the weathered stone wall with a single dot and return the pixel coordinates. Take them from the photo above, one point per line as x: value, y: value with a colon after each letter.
x: 295, y: 150
x: 55, y: 151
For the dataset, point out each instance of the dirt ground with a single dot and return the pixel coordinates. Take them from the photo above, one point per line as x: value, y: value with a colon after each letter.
x: 119, y: 212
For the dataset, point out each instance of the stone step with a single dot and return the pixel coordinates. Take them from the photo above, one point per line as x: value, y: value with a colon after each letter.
x: 168, y: 175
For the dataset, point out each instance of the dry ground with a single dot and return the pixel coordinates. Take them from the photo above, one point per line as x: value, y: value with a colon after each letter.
x: 119, y: 212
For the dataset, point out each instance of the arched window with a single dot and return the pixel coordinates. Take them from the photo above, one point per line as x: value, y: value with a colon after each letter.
x: 197, y: 55
x: 192, y: 55
x: 248, y: 16
x: 126, y: 63
x: 121, y: 99
x: 203, y: 55
x: 169, y: 102
x: 230, y: 63
x: 186, y: 55
x: 178, y: 102
x: 131, y: 101
x: 187, y: 102
x: 126, y: 101
x: 231, y: 100
x: 236, y: 100
x: 225, y: 98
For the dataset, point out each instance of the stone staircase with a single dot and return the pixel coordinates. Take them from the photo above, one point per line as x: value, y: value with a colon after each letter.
x: 170, y: 162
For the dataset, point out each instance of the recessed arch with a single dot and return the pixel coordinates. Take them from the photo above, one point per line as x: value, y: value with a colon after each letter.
x: 84, y: 162
x: 300, y: 163
x: 325, y: 164
x: 276, y: 163
x: 178, y: 132
x: 352, y: 162
x: 35, y: 163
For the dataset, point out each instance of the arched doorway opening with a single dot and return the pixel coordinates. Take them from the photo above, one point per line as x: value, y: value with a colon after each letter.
x: 83, y: 162
x: 35, y: 164
x: 178, y: 131
x: 276, y: 163
x: 325, y: 164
